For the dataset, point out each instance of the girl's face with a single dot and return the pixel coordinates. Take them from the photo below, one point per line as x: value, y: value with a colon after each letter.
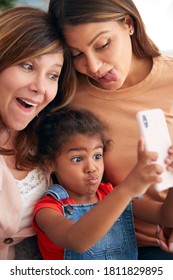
x: 79, y: 167
x: 102, y: 51
x: 27, y: 88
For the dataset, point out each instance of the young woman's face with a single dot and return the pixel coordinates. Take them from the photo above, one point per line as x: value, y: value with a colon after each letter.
x: 27, y: 88
x: 79, y: 167
x: 101, y: 51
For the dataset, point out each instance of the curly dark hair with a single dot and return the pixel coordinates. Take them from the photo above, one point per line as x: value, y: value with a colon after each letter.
x: 55, y: 129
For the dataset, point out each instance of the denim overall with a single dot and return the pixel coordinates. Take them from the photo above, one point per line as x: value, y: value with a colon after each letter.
x: 118, y: 244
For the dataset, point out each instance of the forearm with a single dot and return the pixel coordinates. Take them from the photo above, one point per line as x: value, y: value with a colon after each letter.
x: 155, y: 212
x: 93, y: 225
x: 167, y: 209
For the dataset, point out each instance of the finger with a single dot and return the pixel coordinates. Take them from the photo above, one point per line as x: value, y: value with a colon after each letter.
x: 164, y: 246
x: 161, y: 240
x: 153, y: 173
x: 141, y: 145
x: 169, y: 163
x: 170, y: 150
x: 170, y: 242
x: 160, y: 234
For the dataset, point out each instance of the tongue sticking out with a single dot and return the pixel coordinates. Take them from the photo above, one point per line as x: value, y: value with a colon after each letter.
x: 111, y: 76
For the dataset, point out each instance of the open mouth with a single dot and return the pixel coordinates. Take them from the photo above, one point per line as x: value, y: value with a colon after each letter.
x: 25, y: 103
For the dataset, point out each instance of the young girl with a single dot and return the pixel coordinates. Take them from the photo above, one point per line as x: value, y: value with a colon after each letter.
x: 81, y: 217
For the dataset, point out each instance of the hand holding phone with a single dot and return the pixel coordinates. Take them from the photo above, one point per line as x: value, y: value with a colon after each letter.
x: 154, y: 130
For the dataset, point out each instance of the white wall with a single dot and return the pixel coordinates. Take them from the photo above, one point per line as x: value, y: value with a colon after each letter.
x: 158, y: 18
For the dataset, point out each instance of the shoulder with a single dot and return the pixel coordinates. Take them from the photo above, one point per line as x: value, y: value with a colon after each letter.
x: 165, y: 61
x: 49, y: 201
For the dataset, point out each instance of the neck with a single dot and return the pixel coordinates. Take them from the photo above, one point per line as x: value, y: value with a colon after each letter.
x: 7, y: 139
x: 139, y: 70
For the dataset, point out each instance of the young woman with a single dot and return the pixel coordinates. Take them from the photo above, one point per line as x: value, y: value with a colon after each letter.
x: 84, y: 217
x: 120, y: 72
x: 31, y: 61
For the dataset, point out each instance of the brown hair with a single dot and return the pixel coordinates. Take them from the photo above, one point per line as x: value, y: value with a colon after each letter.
x: 75, y: 12
x: 25, y: 33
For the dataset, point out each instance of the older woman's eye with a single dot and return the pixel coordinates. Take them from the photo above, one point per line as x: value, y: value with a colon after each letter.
x: 27, y: 66
x: 53, y: 76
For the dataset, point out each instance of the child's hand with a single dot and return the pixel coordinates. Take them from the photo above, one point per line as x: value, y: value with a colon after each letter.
x: 146, y: 172
x: 169, y: 159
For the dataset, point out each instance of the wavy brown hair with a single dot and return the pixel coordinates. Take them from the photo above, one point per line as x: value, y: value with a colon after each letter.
x: 26, y: 33
x: 76, y: 12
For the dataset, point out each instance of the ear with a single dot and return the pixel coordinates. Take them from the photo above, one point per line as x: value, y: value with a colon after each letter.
x: 129, y: 24
x: 49, y: 166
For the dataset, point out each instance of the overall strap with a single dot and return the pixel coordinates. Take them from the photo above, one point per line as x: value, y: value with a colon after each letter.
x: 57, y: 191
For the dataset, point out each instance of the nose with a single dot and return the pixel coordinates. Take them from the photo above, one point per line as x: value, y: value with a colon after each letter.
x: 38, y: 85
x: 90, y: 167
x: 93, y: 64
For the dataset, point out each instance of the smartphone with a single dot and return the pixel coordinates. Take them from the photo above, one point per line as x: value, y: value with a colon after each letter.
x: 153, y: 128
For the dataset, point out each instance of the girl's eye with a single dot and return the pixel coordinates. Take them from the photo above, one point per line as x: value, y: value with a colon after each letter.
x: 54, y: 77
x: 77, y: 159
x: 27, y: 66
x: 98, y: 156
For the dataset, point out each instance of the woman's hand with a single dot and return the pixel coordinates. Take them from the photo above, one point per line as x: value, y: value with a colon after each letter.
x: 146, y: 172
x: 169, y: 159
x: 165, y: 238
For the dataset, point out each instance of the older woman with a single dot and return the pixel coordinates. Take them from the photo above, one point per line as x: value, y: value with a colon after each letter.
x: 31, y: 62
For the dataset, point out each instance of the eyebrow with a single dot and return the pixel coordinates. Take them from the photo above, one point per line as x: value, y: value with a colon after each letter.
x: 83, y: 149
x: 58, y: 65
x: 92, y: 40
x: 95, y: 37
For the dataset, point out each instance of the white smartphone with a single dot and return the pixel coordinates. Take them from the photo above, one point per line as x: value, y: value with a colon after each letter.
x: 154, y: 130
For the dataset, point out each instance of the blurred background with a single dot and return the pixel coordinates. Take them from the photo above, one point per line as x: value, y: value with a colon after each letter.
x: 36, y: 3
x: 157, y: 16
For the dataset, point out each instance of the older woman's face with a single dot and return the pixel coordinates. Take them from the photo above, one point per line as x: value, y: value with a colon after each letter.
x: 27, y: 88
x: 102, y: 51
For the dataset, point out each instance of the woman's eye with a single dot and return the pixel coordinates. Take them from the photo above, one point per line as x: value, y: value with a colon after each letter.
x: 105, y: 45
x: 27, y: 66
x: 77, y: 159
x: 75, y: 54
x: 54, y: 77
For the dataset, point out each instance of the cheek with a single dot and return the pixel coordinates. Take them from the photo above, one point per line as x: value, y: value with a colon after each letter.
x: 79, y: 65
x: 52, y: 92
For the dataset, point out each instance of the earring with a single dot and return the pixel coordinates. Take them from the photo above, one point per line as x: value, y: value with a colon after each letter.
x: 131, y: 32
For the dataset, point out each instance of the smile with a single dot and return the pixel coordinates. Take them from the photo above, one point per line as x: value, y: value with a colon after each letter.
x: 25, y: 103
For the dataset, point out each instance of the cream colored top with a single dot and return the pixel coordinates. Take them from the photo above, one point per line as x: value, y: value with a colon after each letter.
x: 118, y: 109
x: 17, y: 200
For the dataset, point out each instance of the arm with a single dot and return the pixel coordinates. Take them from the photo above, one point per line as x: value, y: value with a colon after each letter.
x: 95, y: 224
x: 160, y: 213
